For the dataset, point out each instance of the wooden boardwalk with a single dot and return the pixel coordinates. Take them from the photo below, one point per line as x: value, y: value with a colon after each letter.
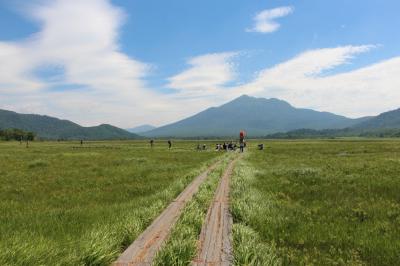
x: 143, y: 250
x: 215, y: 246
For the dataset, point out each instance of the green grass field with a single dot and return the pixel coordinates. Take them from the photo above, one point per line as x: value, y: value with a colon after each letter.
x: 318, y: 203
x: 62, y: 204
x: 330, y: 202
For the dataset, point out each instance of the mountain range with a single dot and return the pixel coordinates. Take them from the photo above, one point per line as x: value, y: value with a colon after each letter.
x: 258, y: 116
x: 46, y: 127
x: 386, y: 124
x: 386, y: 120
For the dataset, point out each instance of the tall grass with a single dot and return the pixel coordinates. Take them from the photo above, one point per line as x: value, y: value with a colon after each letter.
x: 321, y: 202
x: 247, y: 203
x: 61, y: 204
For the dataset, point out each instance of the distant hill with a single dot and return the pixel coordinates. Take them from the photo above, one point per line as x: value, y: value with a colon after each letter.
x: 336, y: 133
x: 47, y: 127
x: 141, y: 129
x: 386, y: 120
x: 305, y: 133
x: 258, y: 116
x: 385, y: 125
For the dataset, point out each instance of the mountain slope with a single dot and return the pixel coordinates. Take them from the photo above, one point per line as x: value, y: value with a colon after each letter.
x: 385, y: 125
x: 141, y: 129
x: 47, y: 127
x: 258, y: 116
x: 390, y: 119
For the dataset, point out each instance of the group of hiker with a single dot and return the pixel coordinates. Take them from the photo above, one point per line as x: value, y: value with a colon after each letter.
x: 233, y: 146
x: 218, y: 147
x: 226, y: 146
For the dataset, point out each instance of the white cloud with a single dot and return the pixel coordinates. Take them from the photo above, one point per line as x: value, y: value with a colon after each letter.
x: 265, y: 20
x: 206, y: 76
x: 14, y: 70
x: 81, y: 38
x: 303, y: 81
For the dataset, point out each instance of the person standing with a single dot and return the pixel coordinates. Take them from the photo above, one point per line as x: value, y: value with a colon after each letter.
x: 169, y: 144
x: 151, y: 143
x: 241, y: 140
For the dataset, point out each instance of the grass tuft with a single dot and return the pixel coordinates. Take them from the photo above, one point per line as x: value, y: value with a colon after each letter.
x: 38, y: 163
x: 249, y: 248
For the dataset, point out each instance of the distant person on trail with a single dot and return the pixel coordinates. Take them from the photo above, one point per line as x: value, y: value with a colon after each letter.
x: 241, y: 146
x: 241, y: 140
x: 169, y: 144
x: 81, y: 142
x: 230, y: 146
x: 151, y: 143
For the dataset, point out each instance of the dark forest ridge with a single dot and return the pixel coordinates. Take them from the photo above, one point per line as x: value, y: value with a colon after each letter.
x: 47, y: 127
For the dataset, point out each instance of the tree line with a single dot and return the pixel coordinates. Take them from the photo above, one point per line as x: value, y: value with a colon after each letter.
x: 16, y: 134
x: 334, y: 133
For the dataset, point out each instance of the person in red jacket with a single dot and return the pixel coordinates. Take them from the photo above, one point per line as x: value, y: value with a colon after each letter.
x: 242, y: 134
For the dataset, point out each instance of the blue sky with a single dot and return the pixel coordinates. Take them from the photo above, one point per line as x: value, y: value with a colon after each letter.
x: 133, y: 62
x: 182, y: 29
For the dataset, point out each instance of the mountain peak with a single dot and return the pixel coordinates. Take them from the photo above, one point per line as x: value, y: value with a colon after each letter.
x: 245, y: 96
x: 242, y: 98
x: 258, y: 116
x: 250, y: 100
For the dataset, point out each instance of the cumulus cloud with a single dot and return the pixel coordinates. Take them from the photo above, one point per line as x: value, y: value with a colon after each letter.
x: 206, y: 76
x: 15, y: 69
x: 264, y: 21
x: 304, y: 82
x: 81, y: 38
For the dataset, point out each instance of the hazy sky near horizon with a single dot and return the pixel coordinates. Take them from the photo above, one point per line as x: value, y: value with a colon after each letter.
x: 135, y: 62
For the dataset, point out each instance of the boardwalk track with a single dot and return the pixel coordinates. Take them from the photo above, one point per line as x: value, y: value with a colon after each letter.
x: 215, y: 238
x: 143, y: 250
